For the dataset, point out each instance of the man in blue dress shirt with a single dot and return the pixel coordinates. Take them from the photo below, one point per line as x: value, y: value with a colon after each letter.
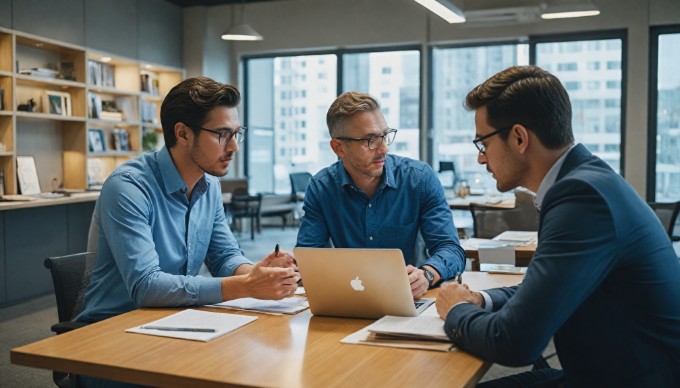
x: 160, y: 216
x: 604, y: 281
x: 370, y: 199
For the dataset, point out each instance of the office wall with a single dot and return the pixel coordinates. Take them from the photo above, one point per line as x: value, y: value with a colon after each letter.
x: 298, y: 25
x: 149, y: 30
x: 204, y: 52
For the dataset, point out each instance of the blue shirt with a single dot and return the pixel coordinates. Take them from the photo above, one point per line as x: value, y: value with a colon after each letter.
x: 153, y: 240
x: 409, y: 199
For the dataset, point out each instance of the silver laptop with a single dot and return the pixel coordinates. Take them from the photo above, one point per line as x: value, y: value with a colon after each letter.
x: 357, y: 283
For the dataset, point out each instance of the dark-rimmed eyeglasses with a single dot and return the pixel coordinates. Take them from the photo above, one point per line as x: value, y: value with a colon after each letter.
x: 225, y: 135
x: 478, y: 141
x: 374, y: 142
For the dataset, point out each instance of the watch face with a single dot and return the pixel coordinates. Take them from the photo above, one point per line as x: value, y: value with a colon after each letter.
x: 428, y: 275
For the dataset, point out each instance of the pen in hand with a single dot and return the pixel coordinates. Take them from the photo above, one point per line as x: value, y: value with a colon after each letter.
x: 276, y: 250
x: 459, y: 277
x: 170, y: 328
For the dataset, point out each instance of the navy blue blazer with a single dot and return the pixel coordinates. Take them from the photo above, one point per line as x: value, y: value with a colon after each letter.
x: 604, y: 281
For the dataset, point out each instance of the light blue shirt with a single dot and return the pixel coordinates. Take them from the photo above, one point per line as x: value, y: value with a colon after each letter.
x: 409, y: 199
x: 153, y: 240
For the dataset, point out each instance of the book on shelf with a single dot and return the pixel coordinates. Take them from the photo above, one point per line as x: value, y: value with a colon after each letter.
x: 102, y: 74
x: 149, y: 83
x: 39, y: 72
x: 148, y: 111
x: 116, y: 116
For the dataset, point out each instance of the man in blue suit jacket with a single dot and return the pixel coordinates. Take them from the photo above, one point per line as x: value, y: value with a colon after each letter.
x: 605, y: 281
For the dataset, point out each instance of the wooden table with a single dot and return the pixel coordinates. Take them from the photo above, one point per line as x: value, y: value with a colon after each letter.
x: 500, y: 202
x: 284, y: 351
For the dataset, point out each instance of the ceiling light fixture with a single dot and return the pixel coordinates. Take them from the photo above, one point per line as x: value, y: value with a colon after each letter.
x: 563, y: 10
x: 241, y: 30
x: 444, y: 9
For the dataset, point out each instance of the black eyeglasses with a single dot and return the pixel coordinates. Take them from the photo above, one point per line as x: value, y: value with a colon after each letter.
x: 374, y: 142
x: 224, y: 136
x: 478, y: 141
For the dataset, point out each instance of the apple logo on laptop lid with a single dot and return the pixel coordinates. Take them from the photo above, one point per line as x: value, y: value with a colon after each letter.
x: 356, y: 284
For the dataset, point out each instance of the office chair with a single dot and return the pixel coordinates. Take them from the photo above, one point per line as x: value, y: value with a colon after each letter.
x: 449, y: 166
x: 246, y: 206
x: 489, y: 221
x: 298, y: 183
x: 667, y: 212
x: 70, y: 276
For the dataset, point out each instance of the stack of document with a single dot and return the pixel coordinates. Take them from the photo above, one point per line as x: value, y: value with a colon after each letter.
x: 284, y: 306
x: 513, y: 237
x: 421, y: 332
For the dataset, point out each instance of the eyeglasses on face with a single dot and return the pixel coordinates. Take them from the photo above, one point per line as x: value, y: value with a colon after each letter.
x: 225, y: 135
x: 374, y: 142
x: 481, y: 146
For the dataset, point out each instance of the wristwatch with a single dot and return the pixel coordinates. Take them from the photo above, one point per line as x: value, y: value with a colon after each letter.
x: 428, y: 275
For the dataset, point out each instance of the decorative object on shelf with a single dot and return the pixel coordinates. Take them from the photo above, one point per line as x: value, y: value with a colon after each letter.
x: 149, y: 140
x: 2, y: 183
x: 27, y: 175
x: 95, y: 140
x: 67, y: 71
x: 40, y: 72
x: 29, y: 106
x: 110, y: 111
x: 57, y: 103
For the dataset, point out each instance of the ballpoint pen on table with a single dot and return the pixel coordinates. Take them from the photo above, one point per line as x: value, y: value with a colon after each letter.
x: 170, y: 328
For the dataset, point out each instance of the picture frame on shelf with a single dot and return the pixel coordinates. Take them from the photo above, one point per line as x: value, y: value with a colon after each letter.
x: 57, y: 103
x: 95, y: 140
x: 27, y: 175
x: 96, y: 173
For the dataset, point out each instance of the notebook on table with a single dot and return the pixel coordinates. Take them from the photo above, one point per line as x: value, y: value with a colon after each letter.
x: 357, y: 283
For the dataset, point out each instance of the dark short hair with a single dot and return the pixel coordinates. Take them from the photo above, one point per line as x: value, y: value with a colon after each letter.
x: 345, y: 106
x: 191, y: 100
x: 530, y: 96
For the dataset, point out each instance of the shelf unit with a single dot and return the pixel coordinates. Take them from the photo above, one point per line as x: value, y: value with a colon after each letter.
x: 55, y: 94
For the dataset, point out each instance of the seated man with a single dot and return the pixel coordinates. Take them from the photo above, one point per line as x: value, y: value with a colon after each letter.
x: 160, y: 216
x: 369, y: 199
x: 604, y: 279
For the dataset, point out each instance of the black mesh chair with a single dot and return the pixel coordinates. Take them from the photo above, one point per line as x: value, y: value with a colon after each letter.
x: 667, y: 212
x: 246, y: 206
x: 70, y: 276
x: 449, y: 166
x: 489, y: 221
x: 298, y: 183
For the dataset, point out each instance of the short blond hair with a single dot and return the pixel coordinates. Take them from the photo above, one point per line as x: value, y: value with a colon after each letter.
x: 345, y: 106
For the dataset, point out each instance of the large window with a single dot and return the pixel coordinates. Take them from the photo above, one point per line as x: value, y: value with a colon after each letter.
x: 456, y: 70
x: 287, y: 100
x: 590, y: 70
x: 288, y: 97
x: 664, y: 175
x: 393, y: 77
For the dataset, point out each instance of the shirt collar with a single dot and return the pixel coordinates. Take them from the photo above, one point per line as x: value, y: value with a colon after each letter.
x: 549, y: 179
x: 172, y: 181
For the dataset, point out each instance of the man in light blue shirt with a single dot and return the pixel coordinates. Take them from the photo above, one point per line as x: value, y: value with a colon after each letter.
x: 369, y: 199
x: 160, y: 216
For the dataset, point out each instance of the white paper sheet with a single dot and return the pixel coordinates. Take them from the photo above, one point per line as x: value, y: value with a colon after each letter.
x: 284, y: 306
x: 518, y: 236
x: 223, y: 323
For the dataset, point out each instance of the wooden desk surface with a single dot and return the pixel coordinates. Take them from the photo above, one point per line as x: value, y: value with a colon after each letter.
x: 290, y: 351
x: 502, y: 202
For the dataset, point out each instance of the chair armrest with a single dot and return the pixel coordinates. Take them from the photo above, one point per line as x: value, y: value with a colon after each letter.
x: 63, y: 327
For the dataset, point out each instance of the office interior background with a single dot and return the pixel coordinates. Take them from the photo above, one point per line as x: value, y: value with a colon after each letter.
x: 619, y: 69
